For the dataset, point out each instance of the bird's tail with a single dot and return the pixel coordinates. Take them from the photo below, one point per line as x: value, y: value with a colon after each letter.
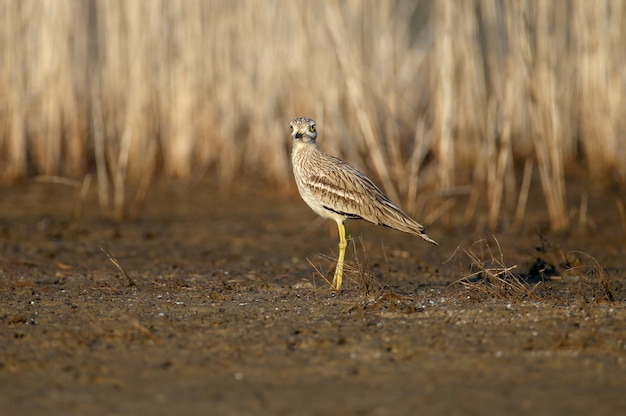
x: 409, y: 225
x: 427, y: 238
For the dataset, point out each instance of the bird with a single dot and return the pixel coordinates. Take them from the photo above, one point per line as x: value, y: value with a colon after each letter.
x: 335, y: 190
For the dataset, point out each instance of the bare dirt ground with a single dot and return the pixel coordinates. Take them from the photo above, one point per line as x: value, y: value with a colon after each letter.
x: 225, y: 315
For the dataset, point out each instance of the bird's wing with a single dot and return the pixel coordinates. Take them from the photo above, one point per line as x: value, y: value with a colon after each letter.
x: 346, y: 191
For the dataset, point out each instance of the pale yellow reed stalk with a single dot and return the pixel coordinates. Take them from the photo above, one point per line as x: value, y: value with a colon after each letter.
x: 135, y: 89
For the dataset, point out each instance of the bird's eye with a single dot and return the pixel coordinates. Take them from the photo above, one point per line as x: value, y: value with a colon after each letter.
x: 291, y: 128
x: 312, y: 129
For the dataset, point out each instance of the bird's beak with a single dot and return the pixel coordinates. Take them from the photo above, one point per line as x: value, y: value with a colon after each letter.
x: 299, y: 134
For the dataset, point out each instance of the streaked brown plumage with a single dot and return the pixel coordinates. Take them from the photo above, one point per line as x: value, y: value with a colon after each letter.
x: 336, y: 190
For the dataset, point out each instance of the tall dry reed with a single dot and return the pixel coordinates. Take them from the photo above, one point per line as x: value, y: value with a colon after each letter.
x: 429, y: 97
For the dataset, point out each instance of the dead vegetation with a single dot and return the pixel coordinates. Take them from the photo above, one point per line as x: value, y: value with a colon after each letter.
x: 434, y: 98
x: 488, y: 276
x: 553, y: 274
x: 550, y: 275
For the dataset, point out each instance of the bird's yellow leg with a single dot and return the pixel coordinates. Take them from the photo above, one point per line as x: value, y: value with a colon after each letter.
x: 343, y: 243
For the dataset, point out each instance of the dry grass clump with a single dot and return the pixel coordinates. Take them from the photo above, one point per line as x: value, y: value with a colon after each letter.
x: 553, y: 274
x: 489, y: 277
x: 360, y: 272
x: 431, y: 95
x: 581, y: 275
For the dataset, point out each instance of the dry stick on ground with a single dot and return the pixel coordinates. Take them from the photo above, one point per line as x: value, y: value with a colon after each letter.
x: 349, y: 270
x: 117, y: 264
x: 491, y: 273
x: 365, y: 278
x: 359, y: 266
x: 318, y: 271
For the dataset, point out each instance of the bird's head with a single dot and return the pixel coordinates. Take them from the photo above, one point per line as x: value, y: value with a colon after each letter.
x: 303, y: 129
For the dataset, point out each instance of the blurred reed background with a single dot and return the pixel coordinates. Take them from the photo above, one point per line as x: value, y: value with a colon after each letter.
x: 432, y: 98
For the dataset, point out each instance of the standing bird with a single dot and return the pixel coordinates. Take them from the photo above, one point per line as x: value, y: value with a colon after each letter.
x: 335, y: 190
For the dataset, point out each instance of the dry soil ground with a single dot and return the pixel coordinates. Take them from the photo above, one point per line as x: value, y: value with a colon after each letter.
x: 225, y: 315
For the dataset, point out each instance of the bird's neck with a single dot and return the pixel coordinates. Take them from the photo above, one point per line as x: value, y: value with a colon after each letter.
x: 300, y: 146
x: 302, y: 151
